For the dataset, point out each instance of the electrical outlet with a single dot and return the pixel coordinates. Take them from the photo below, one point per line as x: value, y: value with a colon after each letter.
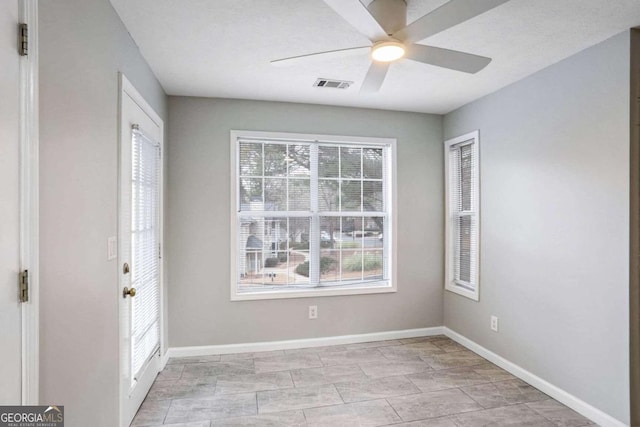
x: 494, y: 323
x: 313, y: 312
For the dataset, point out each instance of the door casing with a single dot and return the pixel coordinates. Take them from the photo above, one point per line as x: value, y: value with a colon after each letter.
x: 21, y: 203
x: 634, y: 262
x: 128, y: 90
x: 29, y: 204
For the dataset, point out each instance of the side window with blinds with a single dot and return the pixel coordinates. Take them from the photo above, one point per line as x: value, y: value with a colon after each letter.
x: 312, y: 214
x: 463, y: 215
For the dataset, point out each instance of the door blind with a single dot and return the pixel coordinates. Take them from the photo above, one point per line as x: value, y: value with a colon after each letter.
x: 145, y: 263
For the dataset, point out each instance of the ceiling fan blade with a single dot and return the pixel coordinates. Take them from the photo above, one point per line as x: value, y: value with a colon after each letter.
x: 452, y: 59
x: 375, y: 77
x: 446, y: 16
x: 359, y: 17
x: 321, y: 56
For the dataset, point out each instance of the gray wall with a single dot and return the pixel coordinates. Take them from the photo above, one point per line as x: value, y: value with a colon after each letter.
x: 200, y: 312
x: 83, y: 45
x: 555, y: 224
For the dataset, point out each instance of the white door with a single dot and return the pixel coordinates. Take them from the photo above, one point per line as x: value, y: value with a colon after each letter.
x: 139, y: 248
x: 10, y: 314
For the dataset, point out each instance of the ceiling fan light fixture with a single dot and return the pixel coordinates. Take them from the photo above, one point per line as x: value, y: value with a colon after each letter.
x: 387, y: 51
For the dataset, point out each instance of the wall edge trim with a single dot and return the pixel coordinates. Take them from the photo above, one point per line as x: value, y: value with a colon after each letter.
x: 594, y: 414
x: 208, y: 350
x: 580, y: 406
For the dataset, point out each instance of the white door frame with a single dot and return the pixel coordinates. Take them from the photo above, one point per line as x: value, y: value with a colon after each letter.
x: 29, y: 202
x: 126, y: 88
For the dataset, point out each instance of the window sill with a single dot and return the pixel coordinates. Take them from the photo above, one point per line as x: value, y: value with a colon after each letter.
x: 313, y: 292
x: 461, y: 290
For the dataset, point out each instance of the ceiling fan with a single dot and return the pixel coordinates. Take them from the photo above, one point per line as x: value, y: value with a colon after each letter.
x: 384, y: 22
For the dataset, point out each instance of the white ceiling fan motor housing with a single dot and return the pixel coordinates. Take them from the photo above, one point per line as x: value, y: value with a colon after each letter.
x: 391, y: 14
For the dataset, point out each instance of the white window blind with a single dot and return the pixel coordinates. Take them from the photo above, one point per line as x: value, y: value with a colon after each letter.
x: 463, y: 215
x: 145, y: 262
x: 311, y: 214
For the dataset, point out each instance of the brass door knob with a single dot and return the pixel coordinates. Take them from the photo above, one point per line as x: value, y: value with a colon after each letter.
x: 126, y: 291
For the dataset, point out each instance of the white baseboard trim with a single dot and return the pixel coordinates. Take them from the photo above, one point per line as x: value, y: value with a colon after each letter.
x: 578, y: 405
x: 208, y: 350
x: 164, y: 358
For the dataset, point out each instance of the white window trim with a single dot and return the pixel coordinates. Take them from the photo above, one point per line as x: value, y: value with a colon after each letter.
x: 359, y: 289
x: 450, y: 283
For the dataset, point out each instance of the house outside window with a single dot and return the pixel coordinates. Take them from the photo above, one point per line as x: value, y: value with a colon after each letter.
x: 462, y: 176
x: 312, y: 215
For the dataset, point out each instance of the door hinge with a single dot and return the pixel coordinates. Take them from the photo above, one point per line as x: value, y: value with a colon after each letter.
x: 23, y: 39
x: 159, y: 251
x: 24, y: 286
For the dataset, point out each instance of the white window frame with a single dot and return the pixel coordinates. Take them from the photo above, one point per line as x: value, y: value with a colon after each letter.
x: 388, y: 286
x: 471, y: 292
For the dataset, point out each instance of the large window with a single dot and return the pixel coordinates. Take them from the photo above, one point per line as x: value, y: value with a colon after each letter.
x: 463, y: 215
x: 313, y: 215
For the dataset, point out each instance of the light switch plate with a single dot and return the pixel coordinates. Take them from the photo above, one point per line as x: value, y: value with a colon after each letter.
x: 112, y: 248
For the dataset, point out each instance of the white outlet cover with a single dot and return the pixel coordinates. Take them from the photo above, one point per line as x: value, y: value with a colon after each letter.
x: 313, y: 312
x: 494, y: 323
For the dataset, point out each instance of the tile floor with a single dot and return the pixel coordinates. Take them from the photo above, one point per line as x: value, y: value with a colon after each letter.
x: 429, y: 382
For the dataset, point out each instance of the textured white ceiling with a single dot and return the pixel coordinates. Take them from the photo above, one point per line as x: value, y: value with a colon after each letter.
x: 222, y: 48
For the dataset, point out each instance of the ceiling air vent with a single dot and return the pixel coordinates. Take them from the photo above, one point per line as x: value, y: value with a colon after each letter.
x: 335, y: 84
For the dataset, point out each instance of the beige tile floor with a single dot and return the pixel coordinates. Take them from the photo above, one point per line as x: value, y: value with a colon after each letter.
x: 428, y: 382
